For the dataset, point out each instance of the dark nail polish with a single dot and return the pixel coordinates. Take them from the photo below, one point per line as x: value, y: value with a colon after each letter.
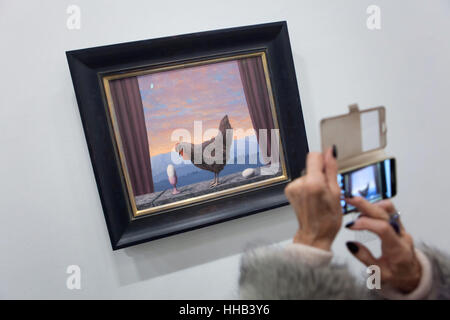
x: 350, y: 224
x: 335, y: 154
x: 352, y: 247
x: 348, y: 195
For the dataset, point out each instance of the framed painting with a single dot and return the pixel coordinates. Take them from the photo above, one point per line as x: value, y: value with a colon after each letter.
x: 191, y: 130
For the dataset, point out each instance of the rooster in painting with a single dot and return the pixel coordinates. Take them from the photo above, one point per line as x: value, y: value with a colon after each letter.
x: 364, y: 192
x: 213, y: 164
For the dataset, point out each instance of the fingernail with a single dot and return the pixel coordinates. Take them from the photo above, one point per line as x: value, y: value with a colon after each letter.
x: 335, y: 154
x: 350, y: 224
x: 352, y: 247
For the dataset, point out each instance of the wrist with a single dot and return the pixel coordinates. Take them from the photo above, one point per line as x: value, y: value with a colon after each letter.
x: 413, y: 279
x: 422, y: 290
x: 311, y: 240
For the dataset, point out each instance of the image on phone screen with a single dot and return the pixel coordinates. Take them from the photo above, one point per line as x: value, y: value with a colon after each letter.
x: 374, y: 182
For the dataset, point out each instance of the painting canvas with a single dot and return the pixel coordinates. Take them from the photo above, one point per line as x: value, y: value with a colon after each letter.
x: 192, y: 132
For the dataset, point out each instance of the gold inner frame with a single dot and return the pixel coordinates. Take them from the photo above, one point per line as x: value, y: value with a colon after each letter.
x: 210, y: 196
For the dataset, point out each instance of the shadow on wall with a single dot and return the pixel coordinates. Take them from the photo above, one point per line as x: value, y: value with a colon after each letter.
x: 189, y: 249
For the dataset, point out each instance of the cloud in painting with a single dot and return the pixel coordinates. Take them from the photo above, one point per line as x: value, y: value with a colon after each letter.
x: 175, y: 99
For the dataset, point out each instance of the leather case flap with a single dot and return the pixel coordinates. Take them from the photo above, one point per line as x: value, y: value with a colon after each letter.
x: 360, y: 136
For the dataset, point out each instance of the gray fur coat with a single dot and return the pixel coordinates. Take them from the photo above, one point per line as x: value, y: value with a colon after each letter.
x: 272, y: 273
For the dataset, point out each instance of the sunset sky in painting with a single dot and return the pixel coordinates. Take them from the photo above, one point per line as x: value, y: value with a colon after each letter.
x: 175, y: 99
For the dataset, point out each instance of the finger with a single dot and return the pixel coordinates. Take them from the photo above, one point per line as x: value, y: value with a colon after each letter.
x: 314, y: 163
x: 331, y: 169
x: 361, y: 253
x: 293, y: 189
x: 387, y: 206
x: 368, y: 209
x: 380, y: 227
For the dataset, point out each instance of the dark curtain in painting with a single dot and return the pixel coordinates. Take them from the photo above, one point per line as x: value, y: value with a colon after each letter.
x: 130, y: 117
x: 257, y: 96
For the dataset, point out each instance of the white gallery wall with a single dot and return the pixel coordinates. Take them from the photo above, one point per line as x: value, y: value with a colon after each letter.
x: 51, y: 216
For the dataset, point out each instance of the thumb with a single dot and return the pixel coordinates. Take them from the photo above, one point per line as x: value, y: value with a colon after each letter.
x: 361, y: 253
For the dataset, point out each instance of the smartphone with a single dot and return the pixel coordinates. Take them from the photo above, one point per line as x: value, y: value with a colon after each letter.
x: 374, y: 182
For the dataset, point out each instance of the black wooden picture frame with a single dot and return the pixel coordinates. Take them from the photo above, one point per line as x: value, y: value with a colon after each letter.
x: 88, y: 66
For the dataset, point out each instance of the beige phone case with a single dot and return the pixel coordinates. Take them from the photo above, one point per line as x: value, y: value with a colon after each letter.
x: 360, y: 137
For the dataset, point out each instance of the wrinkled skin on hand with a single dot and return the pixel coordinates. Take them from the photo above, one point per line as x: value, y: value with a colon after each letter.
x: 315, y: 198
x: 398, y: 263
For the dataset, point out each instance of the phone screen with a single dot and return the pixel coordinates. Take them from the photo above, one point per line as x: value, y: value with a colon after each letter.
x: 373, y: 182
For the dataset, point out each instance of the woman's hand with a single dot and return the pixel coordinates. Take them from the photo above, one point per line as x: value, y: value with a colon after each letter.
x: 315, y: 198
x: 399, y: 265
